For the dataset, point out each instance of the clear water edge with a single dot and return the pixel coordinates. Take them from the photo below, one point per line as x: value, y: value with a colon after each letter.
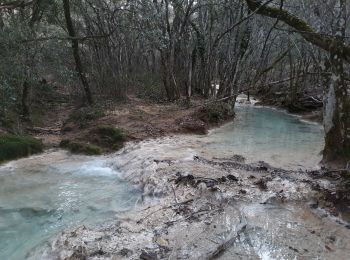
x: 44, y: 194
x: 270, y: 135
x: 41, y: 195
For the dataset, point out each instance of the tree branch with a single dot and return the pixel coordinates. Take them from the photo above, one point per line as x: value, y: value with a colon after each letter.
x: 328, y: 43
x: 14, y: 4
x: 219, y: 37
x: 67, y: 38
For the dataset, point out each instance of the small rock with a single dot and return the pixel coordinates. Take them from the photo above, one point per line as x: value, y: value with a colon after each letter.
x: 210, y: 184
x: 222, y: 179
x: 329, y: 248
x: 79, y: 252
x: 98, y: 252
x: 332, y: 238
x: 238, y: 158
x: 148, y: 256
x: 125, y: 252
x: 162, y: 242
x: 271, y: 200
x: 232, y: 178
x: 313, y: 204
x: 261, y: 184
x: 263, y: 166
x: 214, y: 189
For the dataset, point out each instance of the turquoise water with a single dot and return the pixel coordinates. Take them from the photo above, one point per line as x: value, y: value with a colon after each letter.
x: 42, y: 195
x: 262, y: 133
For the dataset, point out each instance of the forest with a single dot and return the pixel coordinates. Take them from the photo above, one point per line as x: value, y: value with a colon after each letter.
x: 255, y: 92
x: 171, y: 50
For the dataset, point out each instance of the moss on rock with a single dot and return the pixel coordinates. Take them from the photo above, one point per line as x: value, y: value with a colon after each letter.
x: 108, y: 137
x: 81, y: 148
x: 115, y: 134
x: 14, y: 147
x: 104, y: 138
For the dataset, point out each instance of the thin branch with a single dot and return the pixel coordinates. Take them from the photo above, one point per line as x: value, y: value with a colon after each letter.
x: 219, y: 37
x: 15, y: 4
x: 328, y: 43
x: 66, y: 38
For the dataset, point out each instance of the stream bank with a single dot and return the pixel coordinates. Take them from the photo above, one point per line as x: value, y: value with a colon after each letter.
x: 200, y: 206
x: 138, y: 119
x: 106, y: 126
x: 213, y: 188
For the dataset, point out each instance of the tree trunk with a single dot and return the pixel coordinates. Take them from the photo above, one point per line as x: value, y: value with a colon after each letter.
x: 337, y: 116
x: 2, y: 25
x: 190, y: 71
x: 75, y: 47
x: 24, y: 101
x: 165, y: 76
x: 337, y: 98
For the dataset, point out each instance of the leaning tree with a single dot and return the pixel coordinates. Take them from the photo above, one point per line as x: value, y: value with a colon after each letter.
x: 337, y: 92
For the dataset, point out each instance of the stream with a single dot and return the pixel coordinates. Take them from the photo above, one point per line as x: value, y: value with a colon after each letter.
x: 270, y: 135
x: 45, y: 194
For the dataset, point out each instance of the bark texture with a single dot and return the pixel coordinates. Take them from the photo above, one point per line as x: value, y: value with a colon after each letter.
x: 75, y: 47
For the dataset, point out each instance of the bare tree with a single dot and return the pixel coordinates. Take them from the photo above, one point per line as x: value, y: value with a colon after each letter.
x: 337, y: 98
x: 75, y: 48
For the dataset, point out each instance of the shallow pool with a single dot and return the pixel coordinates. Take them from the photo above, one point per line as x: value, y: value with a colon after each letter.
x: 44, y: 194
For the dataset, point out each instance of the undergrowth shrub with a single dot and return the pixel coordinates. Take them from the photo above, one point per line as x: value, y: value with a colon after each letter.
x: 81, y: 148
x: 215, y: 112
x: 14, y: 147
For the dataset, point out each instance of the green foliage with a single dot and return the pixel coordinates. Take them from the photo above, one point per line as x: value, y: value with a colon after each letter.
x: 102, y: 139
x: 64, y: 143
x: 81, y: 148
x: 109, y: 137
x: 114, y: 134
x: 215, y: 112
x: 117, y: 146
x: 14, y: 147
x: 24, y: 59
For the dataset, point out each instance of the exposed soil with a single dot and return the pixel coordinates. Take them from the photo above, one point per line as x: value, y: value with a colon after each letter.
x: 140, y: 119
